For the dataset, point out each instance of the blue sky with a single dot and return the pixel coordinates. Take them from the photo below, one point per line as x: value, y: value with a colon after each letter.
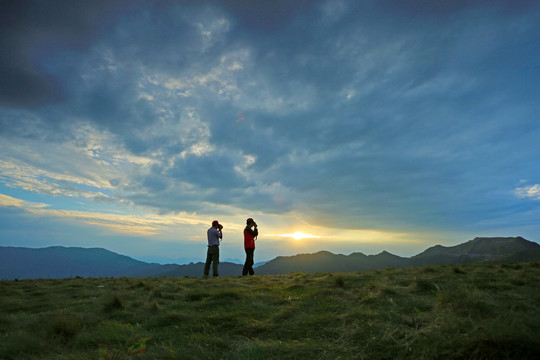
x: 364, y: 125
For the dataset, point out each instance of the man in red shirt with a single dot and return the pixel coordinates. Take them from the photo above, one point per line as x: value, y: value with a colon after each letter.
x: 250, y: 235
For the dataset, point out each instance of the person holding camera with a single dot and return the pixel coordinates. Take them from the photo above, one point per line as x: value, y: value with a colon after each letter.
x: 250, y: 235
x: 215, y: 236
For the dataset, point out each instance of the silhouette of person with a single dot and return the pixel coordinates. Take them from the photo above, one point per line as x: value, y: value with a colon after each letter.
x: 215, y: 235
x: 250, y: 235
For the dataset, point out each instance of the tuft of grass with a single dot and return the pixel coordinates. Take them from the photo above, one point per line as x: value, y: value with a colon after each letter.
x: 141, y: 284
x: 133, y: 346
x: 65, y: 326
x: 428, y: 269
x: 196, y: 295
x: 156, y: 293
x: 425, y: 285
x: 339, y: 281
x: 155, y: 307
x: 114, y: 303
x: 457, y: 270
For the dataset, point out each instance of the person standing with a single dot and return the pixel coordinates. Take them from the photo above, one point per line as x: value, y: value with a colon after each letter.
x: 250, y: 235
x: 215, y: 235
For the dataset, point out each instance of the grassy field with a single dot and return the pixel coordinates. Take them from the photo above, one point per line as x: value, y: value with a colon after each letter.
x: 477, y: 311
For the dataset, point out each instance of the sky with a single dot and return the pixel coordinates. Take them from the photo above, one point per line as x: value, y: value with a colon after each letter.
x: 345, y: 126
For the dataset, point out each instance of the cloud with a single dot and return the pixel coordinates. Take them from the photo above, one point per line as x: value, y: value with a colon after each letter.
x: 530, y: 191
x: 9, y: 201
x: 29, y: 30
x: 90, y: 164
x: 144, y: 225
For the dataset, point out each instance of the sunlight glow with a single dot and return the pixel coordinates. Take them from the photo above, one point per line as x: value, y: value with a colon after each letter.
x: 299, y: 235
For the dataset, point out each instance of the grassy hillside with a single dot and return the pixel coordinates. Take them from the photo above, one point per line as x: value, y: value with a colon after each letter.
x: 476, y: 311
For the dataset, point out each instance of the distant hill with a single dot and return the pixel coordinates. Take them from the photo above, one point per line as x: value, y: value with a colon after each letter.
x: 479, y: 249
x: 64, y: 262
x: 482, y: 247
x: 325, y: 261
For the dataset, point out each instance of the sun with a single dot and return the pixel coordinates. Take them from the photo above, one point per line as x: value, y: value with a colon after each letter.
x: 300, y: 235
x: 297, y: 235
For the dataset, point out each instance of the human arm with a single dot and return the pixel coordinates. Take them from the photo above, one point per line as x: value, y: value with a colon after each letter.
x: 253, y: 232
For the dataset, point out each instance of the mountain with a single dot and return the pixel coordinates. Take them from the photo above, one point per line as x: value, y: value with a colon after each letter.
x: 182, y: 260
x: 167, y: 260
x: 62, y: 262
x: 324, y: 261
x: 478, y: 249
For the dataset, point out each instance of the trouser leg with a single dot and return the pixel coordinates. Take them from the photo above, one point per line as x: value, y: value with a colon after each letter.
x: 248, y: 265
x: 245, y: 268
x: 212, y: 257
x: 251, y: 262
x: 215, y: 261
x: 208, y: 262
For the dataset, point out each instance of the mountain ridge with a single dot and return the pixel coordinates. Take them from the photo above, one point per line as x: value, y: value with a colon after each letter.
x: 482, y: 247
x: 65, y: 262
x: 478, y: 249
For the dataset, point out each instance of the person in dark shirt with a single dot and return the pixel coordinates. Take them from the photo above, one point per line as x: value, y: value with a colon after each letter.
x: 250, y: 235
x: 215, y: 236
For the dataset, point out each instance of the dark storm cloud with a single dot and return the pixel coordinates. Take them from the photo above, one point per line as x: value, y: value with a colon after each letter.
x: 30, y: 31
x: 264, y: 17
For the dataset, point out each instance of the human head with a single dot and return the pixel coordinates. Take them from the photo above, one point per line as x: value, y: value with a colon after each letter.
x: 249, y: 221
x: 216, y: 224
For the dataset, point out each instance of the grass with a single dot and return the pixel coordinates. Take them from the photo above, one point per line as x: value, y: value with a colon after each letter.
x: 476, y: 311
